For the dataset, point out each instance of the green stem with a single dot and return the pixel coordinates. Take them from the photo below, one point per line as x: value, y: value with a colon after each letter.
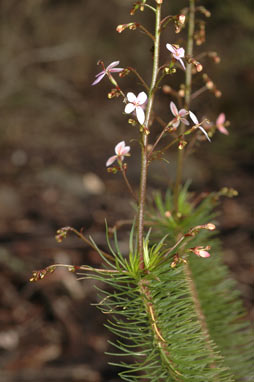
x: 144, y: 138
x: 188, y: 81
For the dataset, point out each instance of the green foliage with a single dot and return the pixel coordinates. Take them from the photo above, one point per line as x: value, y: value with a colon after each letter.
x: 175, y: 323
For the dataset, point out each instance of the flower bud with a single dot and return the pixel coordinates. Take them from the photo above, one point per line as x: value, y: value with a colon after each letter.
x: 167, y: 214
x: 181, y: 93
x: 209, y: 84
x: 166, y: 89
x: 120, y: 28
x: 181, y: 19
x: 181, y: 145
x: 199, y: 67
x: 210, y: 226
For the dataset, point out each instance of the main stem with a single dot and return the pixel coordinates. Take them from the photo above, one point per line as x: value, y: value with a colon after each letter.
x: 188, y: 81
x: 144, y: 138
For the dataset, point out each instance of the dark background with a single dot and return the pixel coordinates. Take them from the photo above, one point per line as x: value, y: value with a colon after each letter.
x: 56, y: 133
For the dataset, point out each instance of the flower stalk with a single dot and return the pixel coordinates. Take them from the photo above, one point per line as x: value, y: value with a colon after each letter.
x: 144, y: 137
x: 187, y: 99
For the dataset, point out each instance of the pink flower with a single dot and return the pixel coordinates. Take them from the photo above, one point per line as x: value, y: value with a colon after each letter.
x: 179, y: 115
x: 201, y: 251
x: 198, y: 125
x: 177, y: 53
x: 135, y: 103
x: 121, y: 151
x: 109, y: 69
x: 220, y: 124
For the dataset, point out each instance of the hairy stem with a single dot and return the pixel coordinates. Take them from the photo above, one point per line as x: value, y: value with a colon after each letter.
x: 144, y: 138
x: 188, y: 81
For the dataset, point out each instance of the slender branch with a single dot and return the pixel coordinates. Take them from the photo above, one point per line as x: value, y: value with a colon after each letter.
x: 150, y: 7
x: 139, y: 77
x: 144, y: 138
x: 165, y: 21
x: 87, y: 241
x: 146, y: 31
x: 188, y: 82
x: 159, y: 138
x: 198, y: 92
x: 123, y: 171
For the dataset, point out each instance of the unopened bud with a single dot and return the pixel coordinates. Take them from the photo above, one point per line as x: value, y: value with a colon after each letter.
x: 218, y: 93
x: 149, y: 148
x: 181, y: 93
x: 166, y: 89
x: 159, y: 1
x: 181, y: 19
x: 132, y: 122
x: 124, y: 73
x: 181, y: 145
x: 132, y: 26
x: 121, y: 28
x: 210, y: 226
x: 199, y: 67
x: 167, y: 214
x: 201, y: 251
x: 209, y: 84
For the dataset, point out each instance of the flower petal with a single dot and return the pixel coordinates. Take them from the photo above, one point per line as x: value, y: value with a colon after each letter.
x: 99, y: 74
x: 112, y: 65
x: 204, y: 132
x: 140, y: 115
x: 182, y: 63
x: 221, y: 119
x: 131, y: 97
x: 176, y: 123
x: 119, y: 148
x: 141, y: 98
x: 193, y: 118
x: 99, y: 78
x: 126, y: 150
x: 184, y: 120
x: 222, y: 129
x: 203, y: 253
x: 129, y: 108
x: 173, y: 108
x: 116, y: 70
x: 171, y: 48
x: 180, y: 52
x: 182, y: 112
x: 111, y: 160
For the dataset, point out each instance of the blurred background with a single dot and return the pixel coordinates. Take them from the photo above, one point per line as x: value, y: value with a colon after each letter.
x: 56, y: 133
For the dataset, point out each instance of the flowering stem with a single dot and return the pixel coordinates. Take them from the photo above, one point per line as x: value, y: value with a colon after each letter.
x: 144, y: 138
x: 188, y: 80
x: 123, y: 171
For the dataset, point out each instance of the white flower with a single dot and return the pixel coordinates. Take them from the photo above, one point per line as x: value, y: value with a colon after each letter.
x: 178, y: 53
x: 135, y: 104
x: 198, y: 125
x: 109, y: 69
x: 121, y: 151
x: 179, y: 115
